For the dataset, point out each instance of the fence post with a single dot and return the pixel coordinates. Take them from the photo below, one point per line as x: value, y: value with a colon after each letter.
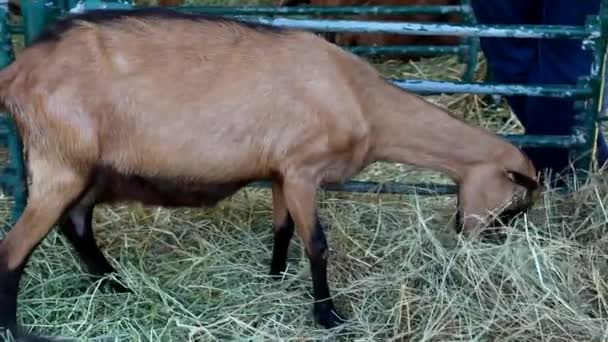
x: 36, y: 16
x: 587, y: 119
x: 472, y: 43
x: 14, y: 173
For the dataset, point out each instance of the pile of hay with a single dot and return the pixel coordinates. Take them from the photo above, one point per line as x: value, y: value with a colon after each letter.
x: 397, y: 269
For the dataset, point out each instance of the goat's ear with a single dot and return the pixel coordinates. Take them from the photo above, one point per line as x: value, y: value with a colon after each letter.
x: 523, y: 180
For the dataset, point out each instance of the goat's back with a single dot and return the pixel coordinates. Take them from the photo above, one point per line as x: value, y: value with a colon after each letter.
x: 162, y: 94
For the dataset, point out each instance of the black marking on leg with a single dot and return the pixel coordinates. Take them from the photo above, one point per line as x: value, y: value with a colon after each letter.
x: 325, y: 312
x: 458, y: 220
x: 77, y: 228
x: 282, y: 236
x: 9, y: 288
x: 458, y: 224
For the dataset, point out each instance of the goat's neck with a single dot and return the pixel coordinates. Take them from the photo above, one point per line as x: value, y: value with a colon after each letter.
x: 407, y: 129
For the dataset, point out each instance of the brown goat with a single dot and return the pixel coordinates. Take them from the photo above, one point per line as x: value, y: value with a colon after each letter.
x: 180, y: 110
x: 383, y: 39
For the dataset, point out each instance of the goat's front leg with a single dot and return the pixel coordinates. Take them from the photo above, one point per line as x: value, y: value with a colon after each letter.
x: 300, y: 196
x: 283, y: 227
x: 53, y: 188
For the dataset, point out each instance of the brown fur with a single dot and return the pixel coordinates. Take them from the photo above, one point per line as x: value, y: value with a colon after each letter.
x: 383, y: 39
x: 174, y: 111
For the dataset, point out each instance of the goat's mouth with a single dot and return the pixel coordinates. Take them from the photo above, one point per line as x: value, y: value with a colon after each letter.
x: 495, y: 231
x: 509, y: 214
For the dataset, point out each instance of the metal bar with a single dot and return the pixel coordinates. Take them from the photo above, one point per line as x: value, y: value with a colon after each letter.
x: 526, y: 140
x: 86, y: 5
x: 423, y: 189
x: 586, y: 122
x: 469, y: 55
x: 16, y: 29
x: 425, y: 87
x: 405, y: 49
x: 412, y: 28
x: 321, y: 10
x: 512, y: 31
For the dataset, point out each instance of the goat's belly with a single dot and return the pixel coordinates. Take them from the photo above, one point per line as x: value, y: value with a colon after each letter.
x: 164, y: 192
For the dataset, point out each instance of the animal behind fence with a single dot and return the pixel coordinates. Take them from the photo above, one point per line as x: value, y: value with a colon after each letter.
x: 383, y: 39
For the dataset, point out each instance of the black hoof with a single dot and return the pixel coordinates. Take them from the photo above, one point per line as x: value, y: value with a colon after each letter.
x: 327, y: 315
x: 114, y: 286
x: 276, y: 274
x: 277, y: 270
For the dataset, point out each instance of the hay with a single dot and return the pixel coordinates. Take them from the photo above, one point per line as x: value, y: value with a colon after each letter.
x: 398, y: 272
x: 396, y: 268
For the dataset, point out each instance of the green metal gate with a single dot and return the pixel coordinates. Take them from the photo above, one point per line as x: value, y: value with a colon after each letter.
x: 37, y: 14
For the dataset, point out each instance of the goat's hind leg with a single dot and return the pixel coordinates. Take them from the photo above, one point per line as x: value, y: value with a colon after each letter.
x: 54, y: 188
x: 77, y: 227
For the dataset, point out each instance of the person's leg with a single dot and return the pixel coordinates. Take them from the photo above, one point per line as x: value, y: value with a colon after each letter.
x: 509, y: 59
x: 560, y: 61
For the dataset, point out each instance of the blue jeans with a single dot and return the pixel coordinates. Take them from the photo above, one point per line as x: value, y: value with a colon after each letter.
x: 538, y: 61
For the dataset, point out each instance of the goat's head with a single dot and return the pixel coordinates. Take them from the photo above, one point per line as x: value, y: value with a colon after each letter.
x: 490, y: 197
